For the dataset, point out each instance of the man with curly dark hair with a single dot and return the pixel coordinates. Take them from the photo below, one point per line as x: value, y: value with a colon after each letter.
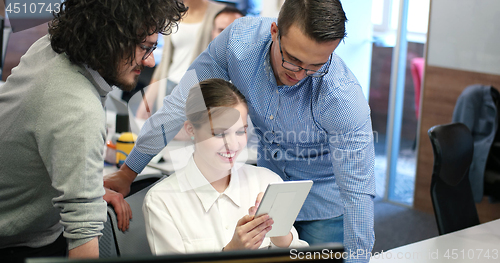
x: 53, y: 124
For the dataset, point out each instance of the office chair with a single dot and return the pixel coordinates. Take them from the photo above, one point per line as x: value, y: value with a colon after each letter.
x: 114, y: 242
x: 451, y: 192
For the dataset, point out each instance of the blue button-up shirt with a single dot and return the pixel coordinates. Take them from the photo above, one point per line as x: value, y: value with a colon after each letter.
x: 318, y: 129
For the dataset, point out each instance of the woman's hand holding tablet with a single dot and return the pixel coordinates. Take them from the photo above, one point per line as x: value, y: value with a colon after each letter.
x: 282, y: 202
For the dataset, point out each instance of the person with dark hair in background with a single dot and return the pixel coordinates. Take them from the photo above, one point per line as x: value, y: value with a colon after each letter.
x: 53, y: 124
x: 224, y: 18
x: 180, y: 49
x: 308, y: 110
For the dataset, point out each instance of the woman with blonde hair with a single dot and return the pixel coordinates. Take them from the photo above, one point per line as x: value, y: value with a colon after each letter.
x: 210, y: 204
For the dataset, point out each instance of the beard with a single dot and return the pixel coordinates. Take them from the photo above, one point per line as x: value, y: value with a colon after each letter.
x: 128, y: 87
x: 121, y: 83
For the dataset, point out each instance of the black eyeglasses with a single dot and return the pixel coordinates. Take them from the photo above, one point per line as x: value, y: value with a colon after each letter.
x: 149, y: 50
x: 292, y: 67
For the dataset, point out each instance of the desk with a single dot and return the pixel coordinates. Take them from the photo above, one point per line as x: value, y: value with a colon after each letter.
x: 475, y: 244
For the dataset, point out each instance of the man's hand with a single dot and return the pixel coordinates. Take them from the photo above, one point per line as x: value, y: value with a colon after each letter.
x: 122, y: 208
x: 250, y: 232
x: 120, y: 180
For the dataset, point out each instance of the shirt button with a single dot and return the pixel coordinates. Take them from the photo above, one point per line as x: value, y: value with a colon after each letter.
x: 227, y: 227
x: 278, y: 144
x: 277, y: 91
x: 271, y: 117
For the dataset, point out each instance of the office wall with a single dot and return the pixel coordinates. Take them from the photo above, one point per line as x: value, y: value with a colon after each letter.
x: 466, y: 35
x: 271, y: 8
x: 462, y: 49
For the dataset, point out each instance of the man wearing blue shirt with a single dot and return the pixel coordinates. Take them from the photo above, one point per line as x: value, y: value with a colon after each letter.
x: 308, y: 109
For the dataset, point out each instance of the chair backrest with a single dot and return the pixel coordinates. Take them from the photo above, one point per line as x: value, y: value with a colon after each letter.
x: 133, y: 241
x: 451, y: 192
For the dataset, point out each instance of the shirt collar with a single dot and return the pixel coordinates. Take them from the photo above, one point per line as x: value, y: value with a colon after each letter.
x: 233, y: 191
x: 103, y: 88
x: 195, y: 181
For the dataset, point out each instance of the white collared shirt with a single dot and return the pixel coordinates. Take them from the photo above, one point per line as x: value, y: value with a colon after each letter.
x: 185, y: 214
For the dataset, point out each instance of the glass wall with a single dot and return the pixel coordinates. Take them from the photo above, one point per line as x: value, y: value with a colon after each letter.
x: 385, y: 15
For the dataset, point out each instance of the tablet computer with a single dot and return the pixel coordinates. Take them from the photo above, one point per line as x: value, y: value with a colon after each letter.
x: 282, y: 201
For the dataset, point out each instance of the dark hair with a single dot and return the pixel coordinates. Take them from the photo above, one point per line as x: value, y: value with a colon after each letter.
x: 102, y: 33
x: 321, y: 20
x: 210, y: 98
x: 229, y: 10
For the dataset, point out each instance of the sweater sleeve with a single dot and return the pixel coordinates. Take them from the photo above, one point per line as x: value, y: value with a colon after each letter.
x: 70, y: 134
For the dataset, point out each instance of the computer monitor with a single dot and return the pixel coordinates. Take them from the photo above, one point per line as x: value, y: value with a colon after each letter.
x: 331, y: 252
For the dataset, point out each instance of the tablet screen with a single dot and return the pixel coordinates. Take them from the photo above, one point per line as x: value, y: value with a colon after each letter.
x: 282, y: 202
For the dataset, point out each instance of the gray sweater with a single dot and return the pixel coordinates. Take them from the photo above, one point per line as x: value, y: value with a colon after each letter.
x: 52, y: 132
